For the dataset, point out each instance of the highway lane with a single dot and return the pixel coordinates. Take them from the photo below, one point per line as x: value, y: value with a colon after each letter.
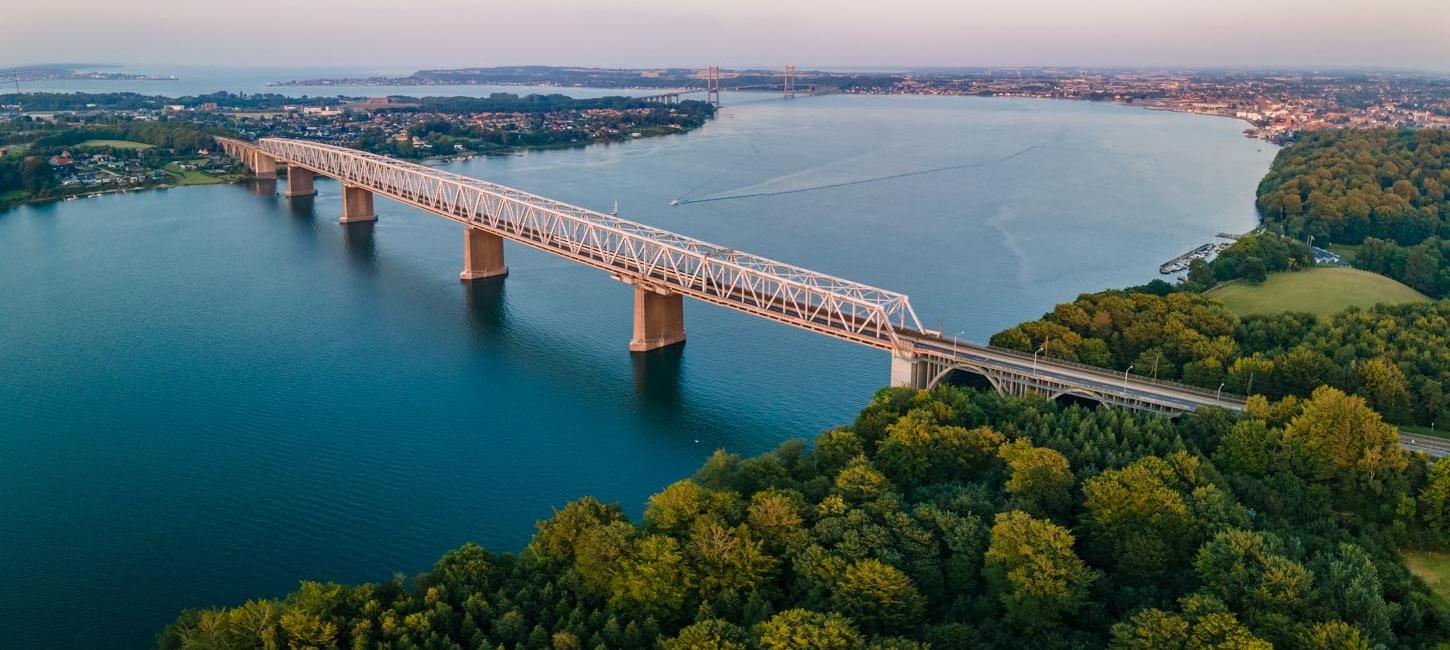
x: 1436, y: 447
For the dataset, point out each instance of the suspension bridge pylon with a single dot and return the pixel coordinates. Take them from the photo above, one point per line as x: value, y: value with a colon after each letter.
x: 712, y: 85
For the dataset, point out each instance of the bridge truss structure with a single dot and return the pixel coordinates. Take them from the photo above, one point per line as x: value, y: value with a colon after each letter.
x: 642, y: 255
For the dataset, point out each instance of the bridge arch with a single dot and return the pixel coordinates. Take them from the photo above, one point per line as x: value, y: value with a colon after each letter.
x: 973, y: 373
x: 1080, y: 397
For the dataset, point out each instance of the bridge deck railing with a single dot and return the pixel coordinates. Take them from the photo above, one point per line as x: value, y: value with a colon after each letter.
x: 1168, y: 383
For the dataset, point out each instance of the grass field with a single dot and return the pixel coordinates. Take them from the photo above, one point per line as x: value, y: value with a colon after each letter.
x: 114, y: 144
x: 191, y: 176
x: 12, y: 195
x: 1321, y: 291
x: 1433, y: 568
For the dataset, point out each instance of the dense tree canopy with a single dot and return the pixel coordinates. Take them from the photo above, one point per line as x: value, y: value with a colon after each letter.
x: 1029, y: 525
x: 1424, y: 267
x: 1344, y: 185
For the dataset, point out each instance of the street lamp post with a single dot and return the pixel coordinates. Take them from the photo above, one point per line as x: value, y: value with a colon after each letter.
x: 1219, y: 395
x: 1040, y: 349
x: 1125, y: 379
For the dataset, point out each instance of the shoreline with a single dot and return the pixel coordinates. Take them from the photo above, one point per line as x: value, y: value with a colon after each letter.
x: 664, y: 90
x: 435, y: 159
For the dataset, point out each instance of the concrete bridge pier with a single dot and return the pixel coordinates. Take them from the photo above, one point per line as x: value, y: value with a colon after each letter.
x: 482, y: 255
x: 357, y: 205
x: 262, y: 165
x: 299, y: 182
x: 907, y: 371
x: 659, y: 320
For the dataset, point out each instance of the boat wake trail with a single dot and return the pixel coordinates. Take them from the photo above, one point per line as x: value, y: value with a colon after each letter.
x: 863, y: 181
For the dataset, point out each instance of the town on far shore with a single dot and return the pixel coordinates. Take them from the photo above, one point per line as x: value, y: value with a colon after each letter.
x: 65, y: 145
x: 1277, y: 104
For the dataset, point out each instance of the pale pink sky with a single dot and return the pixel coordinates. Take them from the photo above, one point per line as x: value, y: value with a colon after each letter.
x: 404, y: 34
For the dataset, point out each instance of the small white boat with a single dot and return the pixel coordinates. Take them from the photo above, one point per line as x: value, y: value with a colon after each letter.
x: 675, y: 202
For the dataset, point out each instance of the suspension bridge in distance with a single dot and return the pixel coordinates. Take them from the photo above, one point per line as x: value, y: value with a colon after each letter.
x: 664, y: 267
x: 787, y: 87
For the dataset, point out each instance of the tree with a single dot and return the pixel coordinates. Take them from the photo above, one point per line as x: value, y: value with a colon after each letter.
x: 35, y: 174
x: 557, y: 537
x: 1031, y: 567
x: 778, y: 516
x: 1250, y: 448
x: 1333, y: 635
x: 307, y: 631
x: 727, y: 558
x: 1245, y: 570
x: 1204, y: 623
x: 679, y: 505
x: 1434, y: 500
x: 918, y: 451
x: 709, y: 634
x: 1302, y: 370
x: 1254, y: 271
x: 1384, y: 388
x: 1138, y: 519
x: 1340, y: 438
x: 860, y: 481
x: 654, y: 580
x: 1347, y: 584
x: 1200, y: 275
x: 1040, y: 480
x: 799, y: 629
x: 879, y: 596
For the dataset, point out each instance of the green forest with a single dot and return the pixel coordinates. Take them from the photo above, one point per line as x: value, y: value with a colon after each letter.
x: 1343, y: 186
x: 1384, y: 190
x: 948, y: 519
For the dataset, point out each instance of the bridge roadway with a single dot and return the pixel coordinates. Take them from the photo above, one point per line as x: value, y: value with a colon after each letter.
x: 664, y: 266
x: 1013, y: 372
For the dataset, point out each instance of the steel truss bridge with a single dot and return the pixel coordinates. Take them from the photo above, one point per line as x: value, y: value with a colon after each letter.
x: 664, y: 266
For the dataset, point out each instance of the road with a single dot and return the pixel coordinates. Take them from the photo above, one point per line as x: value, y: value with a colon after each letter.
x: 1106, y: 382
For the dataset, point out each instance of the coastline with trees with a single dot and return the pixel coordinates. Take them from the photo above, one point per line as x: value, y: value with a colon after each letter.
x: 949, y: 519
